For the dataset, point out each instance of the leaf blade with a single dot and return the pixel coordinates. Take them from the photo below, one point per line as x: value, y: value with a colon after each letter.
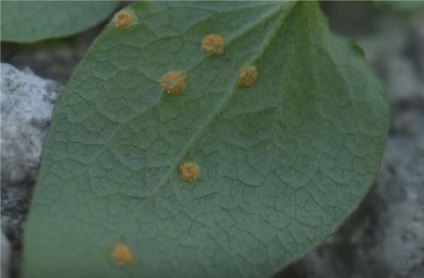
x: 30, y: 21
x: 281, y: 163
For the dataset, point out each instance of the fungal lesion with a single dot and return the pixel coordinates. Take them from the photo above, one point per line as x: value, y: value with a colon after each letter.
x: 247, y: 76
x: 122, y: 255
x: 189, y: 171
x: 124, y: 19
x: 213, y: 44
x: 173, y: 82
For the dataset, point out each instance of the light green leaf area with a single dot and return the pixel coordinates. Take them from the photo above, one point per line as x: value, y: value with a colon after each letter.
x: 281, y: 163
x: 30, y: 21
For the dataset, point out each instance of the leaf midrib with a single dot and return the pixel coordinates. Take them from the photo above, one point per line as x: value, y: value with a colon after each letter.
x: 119, y: 127
x: 208, y: 121
x: 220, y: 107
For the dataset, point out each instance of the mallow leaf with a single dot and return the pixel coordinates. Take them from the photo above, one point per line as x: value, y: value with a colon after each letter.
x: 161, y: 162
x: 401, y: 5
x: 30, y: 21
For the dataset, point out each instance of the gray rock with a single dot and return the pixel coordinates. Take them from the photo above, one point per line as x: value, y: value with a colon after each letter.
x: 27, y: 103
x: 396, y: 50
x: 5, y: 249
x: 15, y: 202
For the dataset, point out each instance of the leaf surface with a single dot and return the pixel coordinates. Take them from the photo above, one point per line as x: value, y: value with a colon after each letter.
x: 281, y: 163
x: 30, y: 21
x: 401, y: 6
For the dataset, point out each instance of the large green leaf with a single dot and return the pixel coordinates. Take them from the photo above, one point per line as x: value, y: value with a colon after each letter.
x: 29, y: 21
x: 282, y: 163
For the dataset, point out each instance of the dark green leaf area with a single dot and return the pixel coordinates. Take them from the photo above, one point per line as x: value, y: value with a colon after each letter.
x: 31, y: 21
x: 281, y: 163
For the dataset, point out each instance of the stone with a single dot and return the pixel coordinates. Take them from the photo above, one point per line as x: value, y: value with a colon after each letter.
x: 27, y: 103
x: 5, y: 256
x: 398, y: 56
x: 15, y: 201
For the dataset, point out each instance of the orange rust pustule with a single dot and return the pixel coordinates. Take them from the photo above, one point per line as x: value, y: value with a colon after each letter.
x: 189, y: 172
x: 247, y: 76
x: 122, y: 255
x: 213, y: 44
x: 122, y: 19
x: 173, y: 82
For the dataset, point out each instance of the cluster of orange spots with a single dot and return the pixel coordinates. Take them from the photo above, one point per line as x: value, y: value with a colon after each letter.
x: 122, y: 255
x: 173, y: 82
x: 213, y: 44
x: 123, y: 19
x: 189, y: 171
x: 247, y: 76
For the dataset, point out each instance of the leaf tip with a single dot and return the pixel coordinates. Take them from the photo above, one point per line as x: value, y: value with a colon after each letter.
x: 173, y: 82
x: 189, y: 171
x: 124, y: 19
x: 213, y: 44
x: 247, y: 76
x: 122, y: 255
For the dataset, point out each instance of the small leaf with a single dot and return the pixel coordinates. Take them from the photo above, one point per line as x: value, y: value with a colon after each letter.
x: 401, y: 6
x: 217, y: 180
x: 30, y: 21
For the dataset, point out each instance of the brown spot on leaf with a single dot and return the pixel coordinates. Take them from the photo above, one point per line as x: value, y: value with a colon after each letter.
x: 122, y: 255
x: 123, y: 19
x: 213, y: 44
x: 189, y: 171
x: 173, y: 82
x: 247, y: 76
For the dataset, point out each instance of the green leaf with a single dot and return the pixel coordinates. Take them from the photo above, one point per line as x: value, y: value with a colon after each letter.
x: 30, y: 21
x: 401, y: 6
x: 281, y: 163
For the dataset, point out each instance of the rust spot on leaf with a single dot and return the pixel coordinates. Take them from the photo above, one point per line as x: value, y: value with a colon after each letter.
x: 122, y: 255
x: 247, y: 76
x: 189, y: 171
x: 213, y: 44
x: 173, y: 82
x: 123, y: 19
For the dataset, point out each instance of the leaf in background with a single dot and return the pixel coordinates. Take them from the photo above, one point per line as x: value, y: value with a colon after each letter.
x: 401, y: 5
x: 268, y: 170
x: 30, y: 21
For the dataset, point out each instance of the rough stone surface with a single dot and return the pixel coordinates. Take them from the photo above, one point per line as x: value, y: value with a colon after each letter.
x: 27, y: 102
x: 5, y: 249
x: 15, y: 201
x: 26, y: 106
